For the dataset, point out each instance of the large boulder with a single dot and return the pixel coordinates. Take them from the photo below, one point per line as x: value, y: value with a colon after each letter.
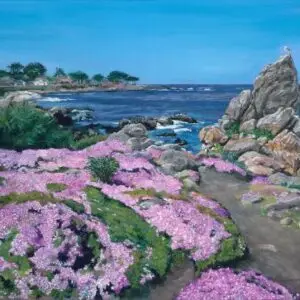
x: 286, y: 147
x: 174, y: 161
x: 135, y: 130
x: 18, y: 97
x: 248, y: 126
x: 212, y: 135
x: 259, y: 164
x: 242, y: 145
x: 277, y: 121
x: 296, y: 128
x: 238, y: 105
x: 275, y: 87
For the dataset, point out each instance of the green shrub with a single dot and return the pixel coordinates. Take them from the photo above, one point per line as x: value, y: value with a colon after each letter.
x: 87, y: 142
x: 103, y: 168
x: 258, y: 133
x: 23, y: 126
x: 233, y: 129
x: 230, y: 156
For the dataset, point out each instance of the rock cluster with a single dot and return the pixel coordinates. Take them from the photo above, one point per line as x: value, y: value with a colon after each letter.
x: 261, y: 126
x: 18, y: 97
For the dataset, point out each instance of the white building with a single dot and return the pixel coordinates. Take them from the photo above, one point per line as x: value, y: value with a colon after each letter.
x: 40, y: 82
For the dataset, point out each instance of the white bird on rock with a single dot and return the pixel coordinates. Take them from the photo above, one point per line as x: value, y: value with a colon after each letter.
x: 287, y: 50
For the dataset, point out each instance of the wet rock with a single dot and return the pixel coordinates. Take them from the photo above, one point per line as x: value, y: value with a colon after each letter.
x: 181, y: 142
x: 213, y: 135
x: 81, y: 115
x: 277, y: 121
x: 63, y: 119
x: 241, y: 146
x: 148, y: 122
x: 165, y: 121
x: 183, y: 118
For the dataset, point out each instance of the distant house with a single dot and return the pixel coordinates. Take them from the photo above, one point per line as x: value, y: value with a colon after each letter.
x: 63, y: 80
x: 40, y: 82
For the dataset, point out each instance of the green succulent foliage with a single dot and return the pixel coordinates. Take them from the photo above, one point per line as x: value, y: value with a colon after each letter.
x: 233, y: 129
x: 23, y: 126
x: 125, y: 225
x: 75, y: 206
x: 56, y: 187
x: 230, y: 156
x: 2, y: 180
x: 103, y: 168
x: 87, y: 142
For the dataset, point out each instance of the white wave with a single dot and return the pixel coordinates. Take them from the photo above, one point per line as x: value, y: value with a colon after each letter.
x: 175, y: 126
x: 208, y: 89
x: 182, y: 130
x: 55, y: 99
x: 177, y: 122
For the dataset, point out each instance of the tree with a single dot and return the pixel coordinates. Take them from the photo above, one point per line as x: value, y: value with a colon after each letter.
x: 117, y: 76
x: 98, y: 77
x: 59, y: 72
x: 35, y: 70
x: 3, y: 73
x: 79, y: 76
x: 132, y: 79
x: 15, y: 70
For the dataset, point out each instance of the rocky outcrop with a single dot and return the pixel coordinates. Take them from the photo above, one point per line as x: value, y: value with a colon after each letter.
x: 213, y: 135
x: 173, y: 161
x: 264, y: 121
x: 134, y: 135
x: 18, y: 97
x: 242, y: 145
x: 277, y: 121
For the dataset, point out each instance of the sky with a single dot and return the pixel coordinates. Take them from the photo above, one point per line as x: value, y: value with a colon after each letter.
x: 160, y: 41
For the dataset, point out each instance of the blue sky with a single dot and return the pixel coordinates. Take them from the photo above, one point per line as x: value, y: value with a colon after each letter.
x: 161, y: 41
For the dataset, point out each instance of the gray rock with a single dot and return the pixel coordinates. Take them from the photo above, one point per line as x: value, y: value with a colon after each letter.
x: 139, y: 144
x: 146, y: 204
x: 238, y: 105
x: 285, y: 201
x: 296, y: 128
x: 286, y: 221
x: 277, y: 121
x: 248, y: 126
x: 283, y: 179
x: 123, y: 137
x: 251, y: 197
x: 276, y: 86
x: 173, y: 160
x: 190, y: 184
x: 165, y: 121
x: 135, y: 130
x: 242, y: 145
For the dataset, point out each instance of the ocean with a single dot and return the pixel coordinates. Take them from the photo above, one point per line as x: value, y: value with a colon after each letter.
x: 206, y: 103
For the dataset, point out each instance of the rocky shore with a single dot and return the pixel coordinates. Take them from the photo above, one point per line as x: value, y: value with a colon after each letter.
x: 117, y: 217
x: 260, y: 132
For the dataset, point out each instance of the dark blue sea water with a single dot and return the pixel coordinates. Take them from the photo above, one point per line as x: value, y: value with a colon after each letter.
x: 205, y: 103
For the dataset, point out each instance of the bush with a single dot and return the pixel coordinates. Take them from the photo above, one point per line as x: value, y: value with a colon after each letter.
x: 103, y: 168
x: 233, y: 129
x: 87, y: 142
x: 23, y: 126
x: 263, y: 133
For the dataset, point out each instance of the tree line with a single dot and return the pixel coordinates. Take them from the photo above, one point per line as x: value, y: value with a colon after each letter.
x: 34, y: 70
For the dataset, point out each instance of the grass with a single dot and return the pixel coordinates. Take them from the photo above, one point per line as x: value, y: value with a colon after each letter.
x: 43, y: 199
x: 56, y: 187
x: 87, y: 142
x: 124, y: 224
